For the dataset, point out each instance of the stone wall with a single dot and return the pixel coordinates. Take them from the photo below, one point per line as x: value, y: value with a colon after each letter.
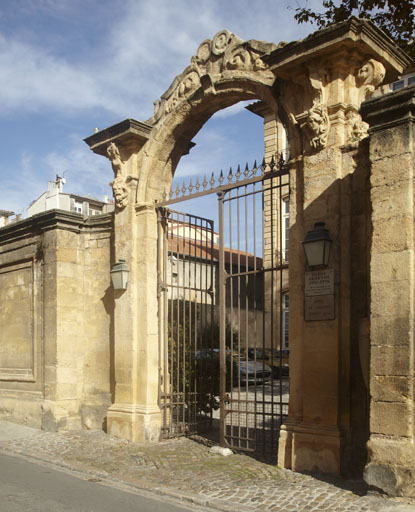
x: 55, y: 320
x: 391, y: 452
x: 316, y: 87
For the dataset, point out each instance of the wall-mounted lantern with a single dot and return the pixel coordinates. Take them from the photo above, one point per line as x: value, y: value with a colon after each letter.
x: 317, y: 246
x: 119, y: 275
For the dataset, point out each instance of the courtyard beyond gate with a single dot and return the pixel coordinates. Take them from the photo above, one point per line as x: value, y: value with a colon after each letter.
x: 224, y: 306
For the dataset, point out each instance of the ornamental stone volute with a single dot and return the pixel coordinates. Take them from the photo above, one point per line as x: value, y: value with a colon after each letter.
x: 223, y: 57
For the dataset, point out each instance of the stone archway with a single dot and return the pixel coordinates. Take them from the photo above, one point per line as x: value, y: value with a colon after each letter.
x: 316, y: 86
x: 224, y: 71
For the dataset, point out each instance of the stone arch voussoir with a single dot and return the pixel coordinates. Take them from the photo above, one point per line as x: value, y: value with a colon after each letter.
x: 224, y: 71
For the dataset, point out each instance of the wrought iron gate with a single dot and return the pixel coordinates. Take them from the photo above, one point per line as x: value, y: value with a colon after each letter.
x: 187, y: 300
x: 223, y: 300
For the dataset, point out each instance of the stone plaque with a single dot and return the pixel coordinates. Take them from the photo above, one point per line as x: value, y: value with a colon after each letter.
x: 319, y: 307
x: 319, y: 282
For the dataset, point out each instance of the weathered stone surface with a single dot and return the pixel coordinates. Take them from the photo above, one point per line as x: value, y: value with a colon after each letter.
x: 187, y: 470
x: 322, y: 82
x: 390, y: 449
x: 56, y: 354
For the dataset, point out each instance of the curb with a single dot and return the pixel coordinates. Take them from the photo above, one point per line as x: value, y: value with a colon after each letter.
x: 141, y: 488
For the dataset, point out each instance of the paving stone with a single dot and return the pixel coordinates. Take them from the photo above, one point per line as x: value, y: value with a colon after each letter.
x: 186, y: 468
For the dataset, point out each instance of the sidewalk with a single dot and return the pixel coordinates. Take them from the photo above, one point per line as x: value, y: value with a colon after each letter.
x: 186, y: 469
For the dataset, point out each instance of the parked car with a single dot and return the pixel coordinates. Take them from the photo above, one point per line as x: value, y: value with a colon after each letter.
x: 252, y: 372
x: 278, y: 360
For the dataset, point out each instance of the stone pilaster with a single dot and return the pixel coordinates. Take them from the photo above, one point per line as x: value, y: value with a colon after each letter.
x: 391, y: 452
x: 322, y: 82
x: 135, y: 413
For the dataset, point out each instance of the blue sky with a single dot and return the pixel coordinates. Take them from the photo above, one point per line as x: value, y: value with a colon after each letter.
x: 69, y: 66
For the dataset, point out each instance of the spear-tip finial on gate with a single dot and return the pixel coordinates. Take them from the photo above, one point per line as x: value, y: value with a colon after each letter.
x: 230, y: 175
x: 263, y: 166
x: 238, y: 173
x: 246, y: 171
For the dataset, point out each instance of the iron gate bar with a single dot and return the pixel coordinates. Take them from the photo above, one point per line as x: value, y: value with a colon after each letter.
x: 223, y: 188
x: 248, y: 414
x: 222, y: 322
x: 228, y: 438
x: 179, y: 398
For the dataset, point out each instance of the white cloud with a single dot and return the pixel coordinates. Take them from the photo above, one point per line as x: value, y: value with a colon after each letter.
x: 22, y: 184
x: 85, y: 172
x: 147, y: 44
x: 208, y: 156
x: 129, y: 57
x: 34, y: 79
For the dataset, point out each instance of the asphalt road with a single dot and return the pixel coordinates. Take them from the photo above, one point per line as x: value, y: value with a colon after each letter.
x: 28, y: 486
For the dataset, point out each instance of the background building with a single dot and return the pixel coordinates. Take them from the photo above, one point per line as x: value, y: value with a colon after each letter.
x: 55, y: 198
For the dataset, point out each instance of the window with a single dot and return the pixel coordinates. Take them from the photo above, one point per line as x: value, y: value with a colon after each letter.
x: 285, y: 227
x: 77, y: 207
x: 285, y: 319
x: 400, y: 84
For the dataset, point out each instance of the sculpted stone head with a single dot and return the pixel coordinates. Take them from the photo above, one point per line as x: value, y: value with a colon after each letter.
x: 371, y: 73
x: 120, y: 192
x: 318, y: 125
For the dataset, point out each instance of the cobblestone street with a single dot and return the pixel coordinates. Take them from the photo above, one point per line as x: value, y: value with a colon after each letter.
x: 186, y: 469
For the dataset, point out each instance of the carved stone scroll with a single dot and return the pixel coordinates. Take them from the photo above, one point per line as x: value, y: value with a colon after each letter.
x: 356, y: 128
x: 352, y: 81
x: 225, y: 54
x: 369, y: 76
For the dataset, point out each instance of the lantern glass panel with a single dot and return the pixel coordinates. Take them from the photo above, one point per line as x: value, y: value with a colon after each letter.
x: 314, y: 252
x: 119, y: 275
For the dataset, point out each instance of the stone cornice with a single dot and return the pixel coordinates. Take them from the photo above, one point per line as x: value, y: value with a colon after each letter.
x: 55, y: 219
x: 260, y: 108
x: 390, y: 109
x: 126, y: 133
x: 371, y: 40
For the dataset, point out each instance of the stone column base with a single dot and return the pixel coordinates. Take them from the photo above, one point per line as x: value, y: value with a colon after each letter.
x: 304, y: 448
x: 391, y: 465
x: 139, y: 424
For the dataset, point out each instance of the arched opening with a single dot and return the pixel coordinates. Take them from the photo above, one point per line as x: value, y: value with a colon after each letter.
x: 224, y: 274
x: 322, y: 83
x: 174, y: 136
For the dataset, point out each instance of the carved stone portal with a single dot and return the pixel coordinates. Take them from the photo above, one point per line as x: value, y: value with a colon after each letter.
x: 223, y: 56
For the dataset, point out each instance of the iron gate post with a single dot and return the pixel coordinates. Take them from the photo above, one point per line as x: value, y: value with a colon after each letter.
x: 222, y: 318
